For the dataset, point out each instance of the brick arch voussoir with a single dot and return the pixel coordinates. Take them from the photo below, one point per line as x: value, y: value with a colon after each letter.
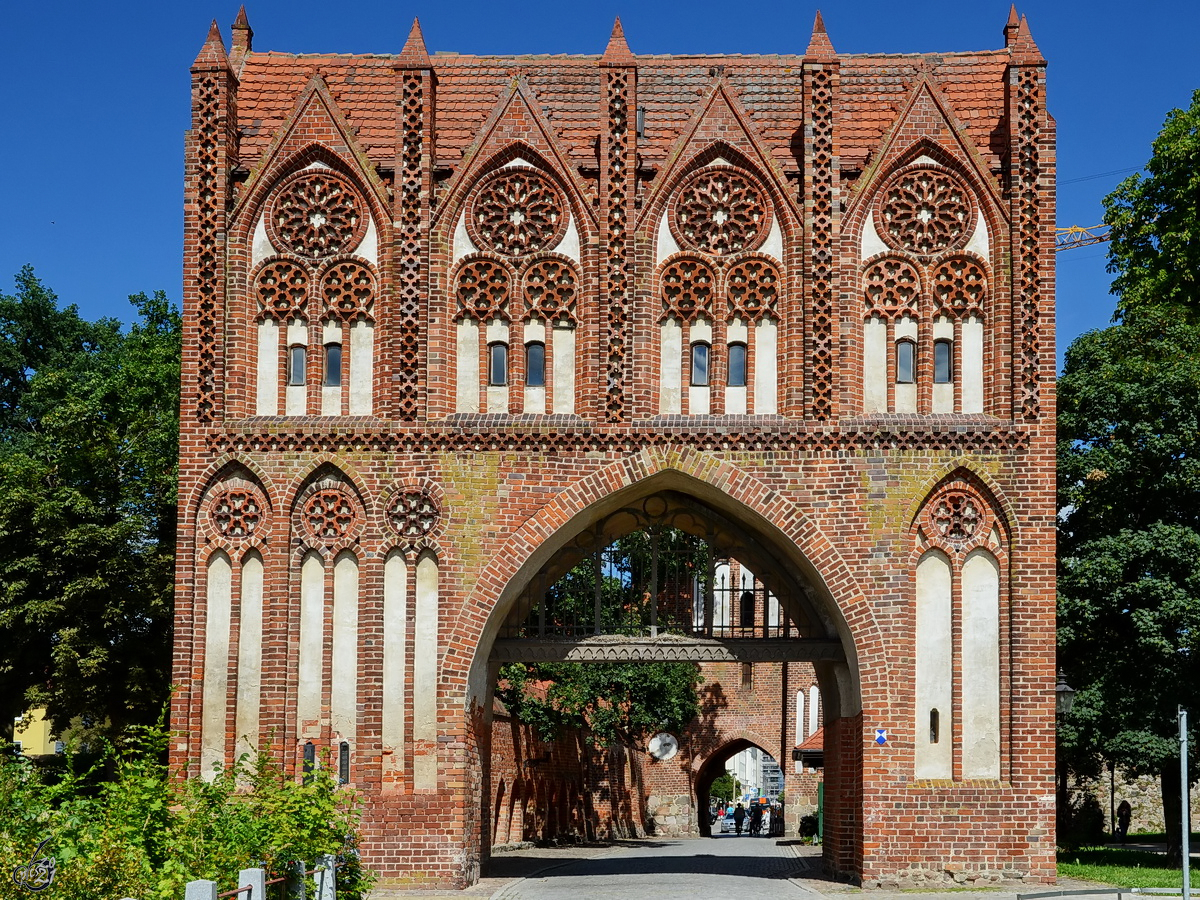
x: 983, y: 194
x: 481, y: 615
x: 728, y: 739
x: 990, y: 491
x: 782, y: 205
x: 218, y: 469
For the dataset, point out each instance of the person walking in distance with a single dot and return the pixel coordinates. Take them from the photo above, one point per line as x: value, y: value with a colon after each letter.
x: 1124, y: 814
x: 739, y: 816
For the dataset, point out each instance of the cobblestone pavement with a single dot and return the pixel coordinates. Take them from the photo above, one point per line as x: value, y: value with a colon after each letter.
x: 670, y: 869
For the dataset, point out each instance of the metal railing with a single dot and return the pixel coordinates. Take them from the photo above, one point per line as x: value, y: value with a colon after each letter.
x: 253, y: 883
x: 1117, y: 891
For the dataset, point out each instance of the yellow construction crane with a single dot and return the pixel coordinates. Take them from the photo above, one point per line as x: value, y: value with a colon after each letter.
x: 1078, y: 236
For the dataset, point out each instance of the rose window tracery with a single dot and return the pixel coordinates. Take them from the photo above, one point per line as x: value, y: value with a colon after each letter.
x: 236, y: 513
x: 317, y: 214
x: 348, y: 288
x: 891, y: 285
x: 282, y: 289
x: 413, y: 514
x: 482, y: 290
x: 955, y: 517
x: 550, y: 290
x: 924, y: 211
x: 517, y: 212
x: 721, y: 210
x: 960, y: 284
x: 687, y: 286
x: 753, y: 289
x: 329, y: 514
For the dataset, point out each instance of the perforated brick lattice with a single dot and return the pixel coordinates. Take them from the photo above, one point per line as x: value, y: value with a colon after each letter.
x: 1029, y: 232
x: 410, y: 263
x: 482, y: 289
x: 955, y: 516
x: 317, y: 214
x: 687, y: 286
x: 891, y: 286
x: 924, y: 211
x: 281, y: 286
x: 752, y: 286
x: 329, y: 515
x: 348, y: 288
x: 616, y: 225
x: 550, y: 288
x: 721, y: 210
x: 821, y: 242
x: 517, y: 211
x: 208, y: 114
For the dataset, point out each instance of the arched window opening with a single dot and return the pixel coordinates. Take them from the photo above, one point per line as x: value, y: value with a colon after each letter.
x: 700, y: 361
x: 297, y: 362
x: 906, y: 362
x: 535, y: 364
x: 747, y: 610
x: 497, y: 364
x: 737, y: 365
x: 943, y: 362
x: 333, y: 365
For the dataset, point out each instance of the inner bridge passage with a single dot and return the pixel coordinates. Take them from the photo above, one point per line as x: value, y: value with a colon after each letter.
x: 674, y: 869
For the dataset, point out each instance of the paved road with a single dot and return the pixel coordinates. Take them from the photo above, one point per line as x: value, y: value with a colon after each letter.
x: 666, y: 869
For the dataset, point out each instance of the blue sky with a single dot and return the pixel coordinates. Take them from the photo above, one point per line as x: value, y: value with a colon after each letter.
x: 94, y: 100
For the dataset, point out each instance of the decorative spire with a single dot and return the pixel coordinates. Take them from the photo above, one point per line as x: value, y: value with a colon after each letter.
x: 414, y: 55
x: 1010, y: 27
x: 243, y: 36
x: 819, y: 45
x: 212, y: 54
x: 617, y: 53
x: 1024, y: 51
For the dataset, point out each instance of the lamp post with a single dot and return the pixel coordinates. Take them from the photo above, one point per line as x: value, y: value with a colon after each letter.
x: 1064, y: 699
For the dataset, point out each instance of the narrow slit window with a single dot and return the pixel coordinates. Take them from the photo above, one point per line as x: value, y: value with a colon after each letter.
x: 310, y: 761
x: 535, y: 364
x: 943, y: 362
x: 747, y: 675
x: 333, y: 365
x: 906, y: 362
x: 344, y: 763
x: 700, y: 354
x: 297, y: 360
x: 737, y: 365
x: 497, y: 364
x: 934, y: 726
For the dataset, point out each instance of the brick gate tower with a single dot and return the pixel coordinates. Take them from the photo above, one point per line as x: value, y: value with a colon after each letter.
x: 452, y: 320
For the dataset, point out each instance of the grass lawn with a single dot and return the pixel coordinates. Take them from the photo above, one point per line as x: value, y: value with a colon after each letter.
x: 1125, y: 868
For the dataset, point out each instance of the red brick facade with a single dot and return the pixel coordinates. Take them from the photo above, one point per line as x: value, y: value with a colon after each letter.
x: 826, y: 206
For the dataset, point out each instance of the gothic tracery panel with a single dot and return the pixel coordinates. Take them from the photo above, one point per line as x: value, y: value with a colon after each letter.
x: 960, y: 285
x: 281, y: 286
x: 891, y: 286
x: 329, y: 515
x: 752, y: 288
x: 348, y: 289
x: 721, y: 210
x: 517, y: 211
x: 550, y: 289
x: 924, y: 211
x: 687, y: 286
x: 482, y: 289
x: 316, y: 213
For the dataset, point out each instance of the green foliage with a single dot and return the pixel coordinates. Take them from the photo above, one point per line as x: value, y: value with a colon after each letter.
x: 1155, y: 224
x: 88, y: 446
x: 141, y: 834
x: 1126, y: 868
x: 724, y: 787
x: 616, y: 701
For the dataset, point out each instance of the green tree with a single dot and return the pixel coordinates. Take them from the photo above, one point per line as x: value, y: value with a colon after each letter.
x: 1155, y: 220
x: 88, y: 445
x: 1129, y: 544
x: 724, y: 788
